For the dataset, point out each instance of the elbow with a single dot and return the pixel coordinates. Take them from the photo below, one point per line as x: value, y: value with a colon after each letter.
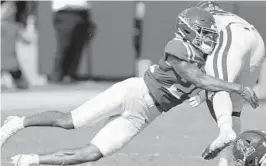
x: 200, y: 81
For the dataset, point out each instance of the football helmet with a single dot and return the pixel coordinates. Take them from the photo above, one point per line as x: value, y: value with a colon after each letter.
x: 197, y: 26
x: 209, y: 6
x: 249, y: 149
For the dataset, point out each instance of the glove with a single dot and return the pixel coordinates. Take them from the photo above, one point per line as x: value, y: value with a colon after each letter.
x: 25, y: 159
x: 195, y: 101
x: 250, y: 96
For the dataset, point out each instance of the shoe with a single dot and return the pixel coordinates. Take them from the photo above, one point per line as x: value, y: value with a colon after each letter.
x: 25, y: 159
x: 222, y: 141
x: 11, y: 126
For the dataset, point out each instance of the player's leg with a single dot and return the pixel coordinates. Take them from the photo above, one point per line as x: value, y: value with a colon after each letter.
x: 107, y: 103
x: 227, y: 64
x: 247, y: 77
x: 140, y: 111
x: 112, y: 137
x: 116, y: 133
x: 225, y: 156
x: 237, y: 107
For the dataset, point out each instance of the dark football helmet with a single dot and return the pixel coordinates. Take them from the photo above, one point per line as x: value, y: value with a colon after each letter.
x: 197, y: 26
x: 249, y: 149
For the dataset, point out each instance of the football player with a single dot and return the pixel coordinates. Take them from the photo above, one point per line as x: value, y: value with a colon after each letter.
x: 134, y: 103
x: 237, y: 58
x: 249, y: 149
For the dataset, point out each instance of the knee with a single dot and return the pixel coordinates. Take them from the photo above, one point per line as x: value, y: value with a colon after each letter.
x: 221, y: 94
x: 95, y: 156
x: 65, y: 121
x: 222, y: 100
x: 92, y: 153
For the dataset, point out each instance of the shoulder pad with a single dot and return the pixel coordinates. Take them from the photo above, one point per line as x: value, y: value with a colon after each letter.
x: 177, y: 47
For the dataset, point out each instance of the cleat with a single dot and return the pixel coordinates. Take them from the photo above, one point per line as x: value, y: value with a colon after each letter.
x: 218, y: 145
x: 210, y: 153
x: 11, y: 126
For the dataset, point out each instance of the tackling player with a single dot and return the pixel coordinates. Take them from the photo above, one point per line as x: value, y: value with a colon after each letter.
x: 133, y: 104
x: 237, y: 58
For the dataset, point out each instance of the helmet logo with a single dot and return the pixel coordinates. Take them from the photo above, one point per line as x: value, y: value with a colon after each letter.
x: 244, y: 149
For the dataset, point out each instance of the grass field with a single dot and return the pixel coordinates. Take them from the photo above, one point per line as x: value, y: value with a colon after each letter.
x: 177, y: 138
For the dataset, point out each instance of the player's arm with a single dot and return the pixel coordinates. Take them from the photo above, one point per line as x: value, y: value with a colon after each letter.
x: 193, y: 74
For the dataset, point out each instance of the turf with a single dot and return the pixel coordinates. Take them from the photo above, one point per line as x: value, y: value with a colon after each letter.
x: 176, y: 138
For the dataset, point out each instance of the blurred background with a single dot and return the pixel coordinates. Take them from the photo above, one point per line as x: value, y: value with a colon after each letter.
x: 57, y: 54
x: 65, y: 42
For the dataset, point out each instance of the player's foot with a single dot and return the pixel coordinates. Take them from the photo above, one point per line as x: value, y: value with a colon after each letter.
x: 222, y: 141
x: 25, y: 159
x: 11, y: 126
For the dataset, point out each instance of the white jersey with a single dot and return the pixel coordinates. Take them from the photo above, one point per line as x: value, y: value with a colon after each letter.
x: 224, y: 19
x: 238, y: 55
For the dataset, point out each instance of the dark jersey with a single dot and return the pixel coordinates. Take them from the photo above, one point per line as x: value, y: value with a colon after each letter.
x: 165, y: 85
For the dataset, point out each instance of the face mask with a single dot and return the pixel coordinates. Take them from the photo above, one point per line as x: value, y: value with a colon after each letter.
x: 206, y: 48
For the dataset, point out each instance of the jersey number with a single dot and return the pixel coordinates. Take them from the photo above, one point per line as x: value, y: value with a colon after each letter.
x: 180, y: 88
x: 183, y: 87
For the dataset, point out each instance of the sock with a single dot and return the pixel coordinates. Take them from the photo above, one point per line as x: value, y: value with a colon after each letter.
x: 224, y: 122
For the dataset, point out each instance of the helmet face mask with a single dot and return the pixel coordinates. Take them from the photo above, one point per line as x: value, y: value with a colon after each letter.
x: 206, y: 38
x: 200, y: 32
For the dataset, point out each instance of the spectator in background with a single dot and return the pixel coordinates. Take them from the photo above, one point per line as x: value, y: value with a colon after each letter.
x: 13, y: 23
x: 73, y: 26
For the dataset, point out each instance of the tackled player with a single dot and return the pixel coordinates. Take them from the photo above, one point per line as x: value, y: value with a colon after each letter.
x: 238, y: 58
x: 134, y: 103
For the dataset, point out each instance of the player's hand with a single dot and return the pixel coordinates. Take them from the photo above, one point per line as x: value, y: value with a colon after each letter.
x: 250, y: 96
x: 25, y: 160
x: 195, y: 101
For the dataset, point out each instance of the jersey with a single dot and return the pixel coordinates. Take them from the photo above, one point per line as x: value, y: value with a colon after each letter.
x: 165, y: 85
x: 225, y: 18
